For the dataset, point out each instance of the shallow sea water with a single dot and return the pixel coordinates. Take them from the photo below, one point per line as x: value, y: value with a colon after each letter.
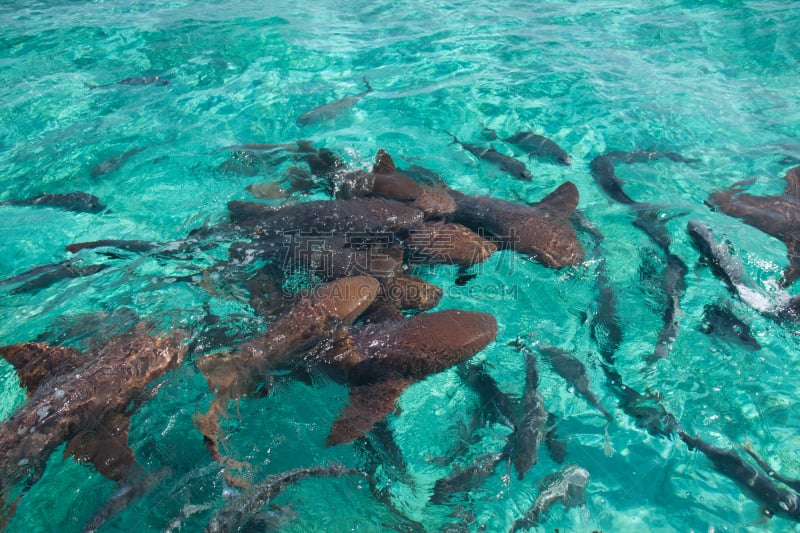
x: 714, y: 81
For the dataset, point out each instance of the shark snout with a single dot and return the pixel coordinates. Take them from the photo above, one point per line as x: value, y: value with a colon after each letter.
x: 347, y: 298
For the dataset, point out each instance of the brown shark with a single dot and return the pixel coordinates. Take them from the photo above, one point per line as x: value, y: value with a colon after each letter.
x: 357, y: 214
x: 449, y: 243
x: 381, y: 360
x: 306, y: 323
x: 776, y: 215
x: 81, y: 399
x: 541, y: 230
x: 384, y: 181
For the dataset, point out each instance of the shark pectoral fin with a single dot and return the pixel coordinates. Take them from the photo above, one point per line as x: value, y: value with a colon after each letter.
x: 792, y: 182
x: 792, y: 272
x: 105, y: 446
x: 208, y: 425
x: 230, y: 377
x: 368, y: 404
x: 562, y: 201
x: 36, y: 361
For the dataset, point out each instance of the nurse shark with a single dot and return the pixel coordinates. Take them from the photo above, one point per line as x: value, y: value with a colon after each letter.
x: 82, y: 399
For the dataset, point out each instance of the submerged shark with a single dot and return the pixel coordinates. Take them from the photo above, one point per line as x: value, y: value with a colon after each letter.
x: 113, y: 163
x: 533, y: 145
x: 143, y: 80
x: 648, y: 220
x: 82, y: 399
x: 333, y: 109
x: 758, y: 486
x: 724, y: 264
x: 566, y: 486
x: 505, y: 163
x: 465, y: 479
x: 722, y: 322
x: 525, y: 441
x: 776, y: 215
x: 240, y: 509
x: 46, y: 275
x: 574, y: 372
x: 79, y: 202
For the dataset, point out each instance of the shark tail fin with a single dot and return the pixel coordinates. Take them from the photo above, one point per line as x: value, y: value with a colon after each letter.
x: 366, y: 82
x: 489, y: 133
x: 455, y: 139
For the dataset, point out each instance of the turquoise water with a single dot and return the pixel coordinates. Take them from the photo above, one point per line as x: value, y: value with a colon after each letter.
x: 714, y: 81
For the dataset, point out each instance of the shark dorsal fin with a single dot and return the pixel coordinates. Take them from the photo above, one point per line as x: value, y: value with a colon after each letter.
x: 383, y: 163
x: 562, y: 201
x: 105, y: 446
x: 36, y: 361
x: 792, y: 183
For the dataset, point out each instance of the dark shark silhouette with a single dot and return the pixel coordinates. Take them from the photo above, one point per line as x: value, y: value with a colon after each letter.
x: 79, y: 202
x: 466, y: 478
x: 505, y: 163
x: 721, y: 321
x: 46, y: 275
x: 647, y: 219
x: 137, y: 81
x: 574, y: 372
x: 113, y: 163
x: 533, y: 145
x: 774, y: 499
x: 333, y: 109
x: 82, y: 399
x: 776, y: 215
x: 530, y: 429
